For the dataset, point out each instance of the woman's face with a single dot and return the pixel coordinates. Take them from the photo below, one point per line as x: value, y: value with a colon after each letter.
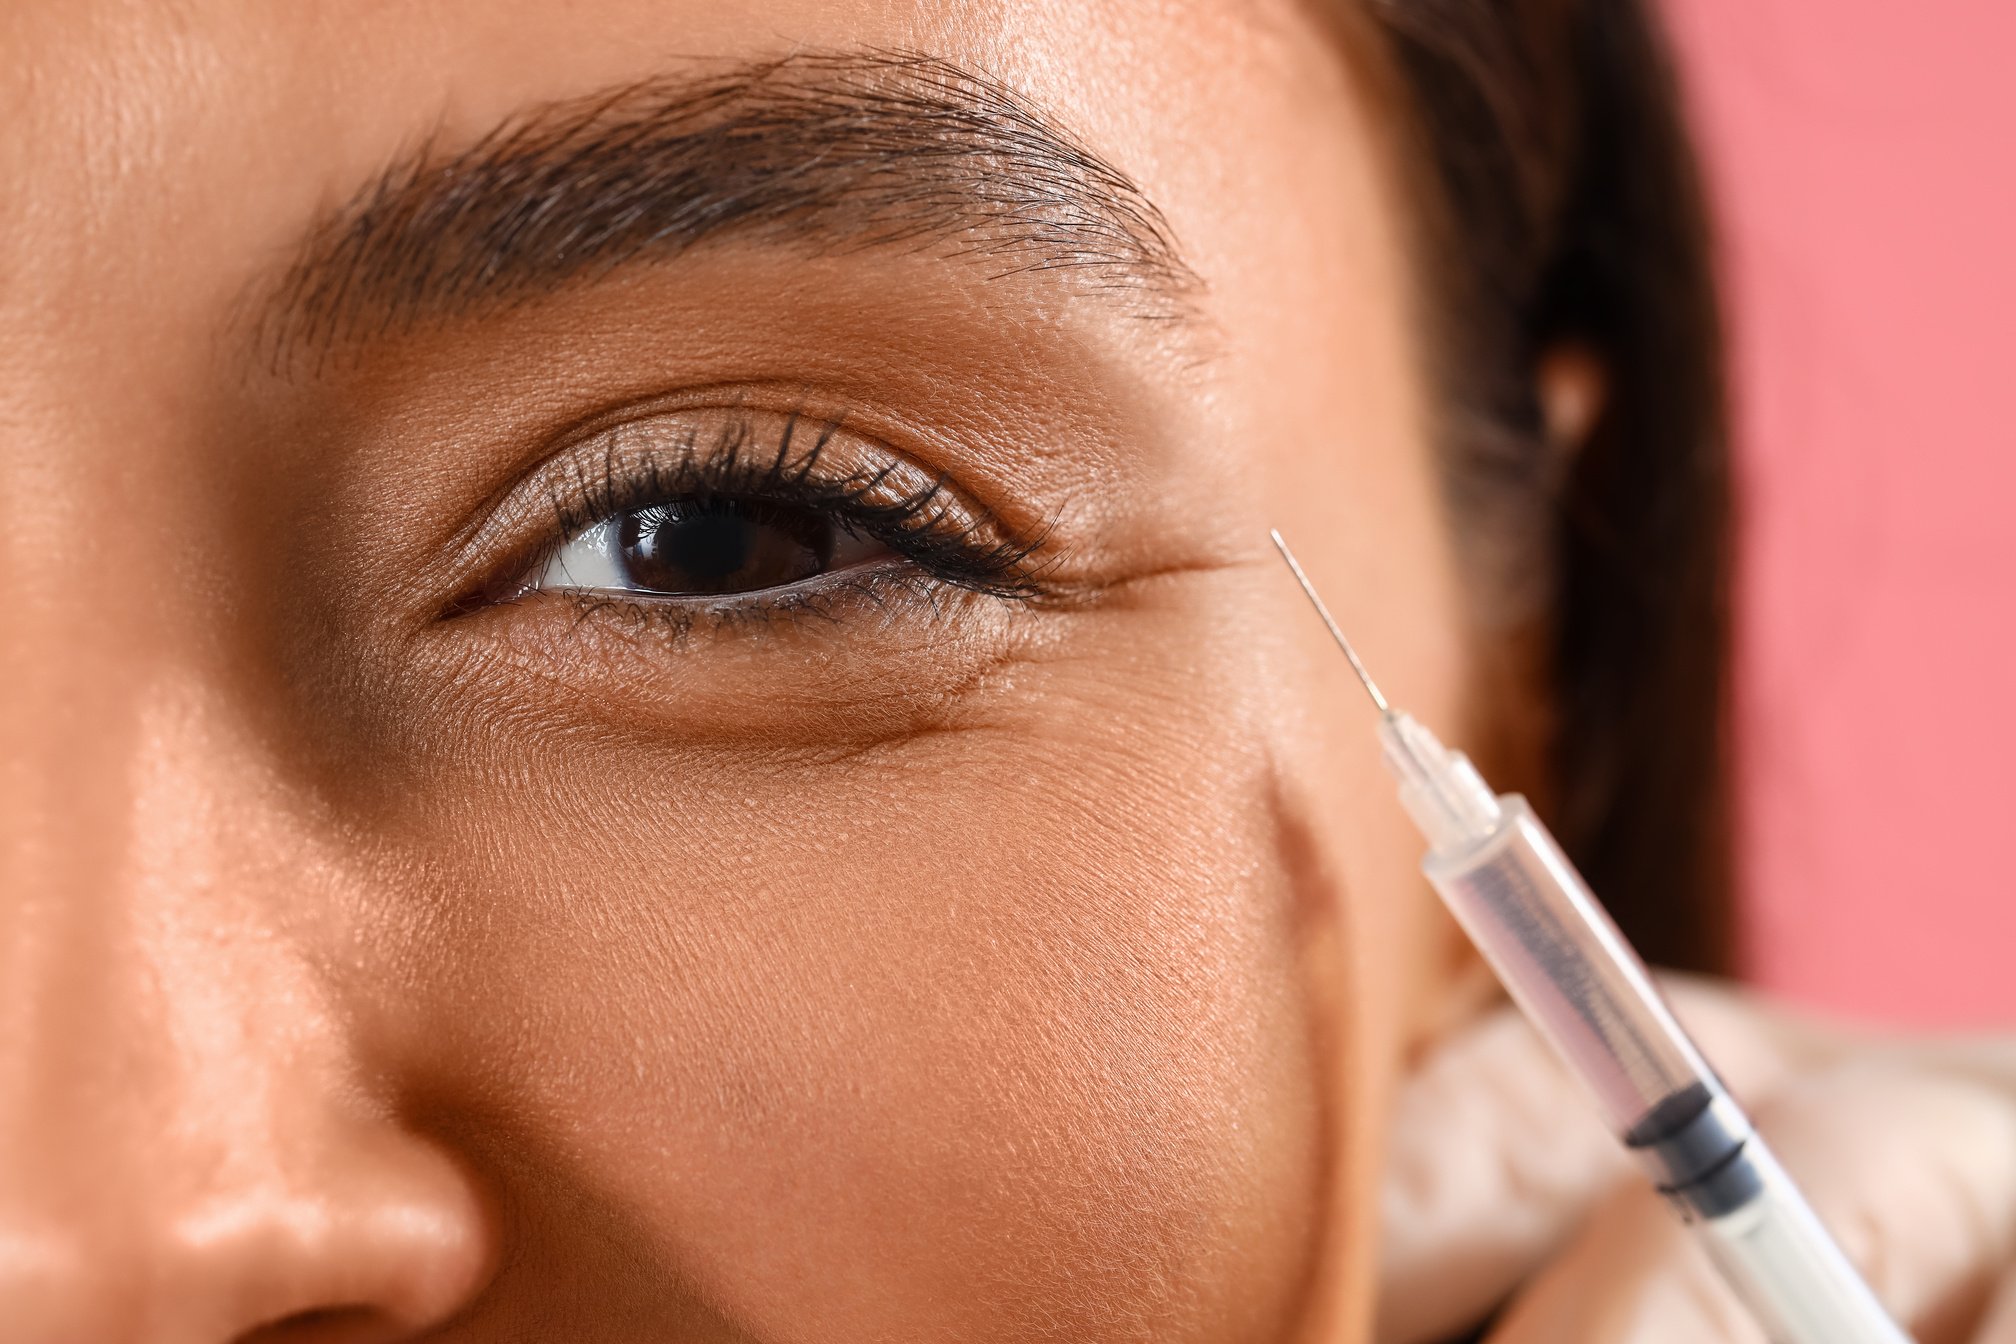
x: 971, y: 911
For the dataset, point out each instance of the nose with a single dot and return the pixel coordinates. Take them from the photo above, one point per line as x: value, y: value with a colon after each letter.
x: 367, y: 1242
x: 195, y: 1145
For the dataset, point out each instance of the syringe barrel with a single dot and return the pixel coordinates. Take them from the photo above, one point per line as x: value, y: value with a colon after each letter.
x: 1561, y: 957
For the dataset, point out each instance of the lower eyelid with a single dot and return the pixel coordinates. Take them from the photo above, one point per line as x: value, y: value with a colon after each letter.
x: 872, y: 586
x: 883, y: 569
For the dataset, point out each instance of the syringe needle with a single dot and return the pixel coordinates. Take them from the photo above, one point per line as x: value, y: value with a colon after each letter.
x: 1336, y: 634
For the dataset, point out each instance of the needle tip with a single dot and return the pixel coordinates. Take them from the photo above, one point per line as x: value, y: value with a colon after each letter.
x: 1309, y: 591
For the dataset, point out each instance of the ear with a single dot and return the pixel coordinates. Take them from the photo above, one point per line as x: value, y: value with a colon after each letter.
x: 1515, y: 690
x: 1571, y: 385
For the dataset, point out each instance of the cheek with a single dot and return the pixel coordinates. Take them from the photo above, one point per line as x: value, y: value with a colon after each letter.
x: 989, y: 1033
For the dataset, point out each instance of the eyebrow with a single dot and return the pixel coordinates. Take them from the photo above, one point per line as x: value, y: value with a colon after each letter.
x: 835, y: 151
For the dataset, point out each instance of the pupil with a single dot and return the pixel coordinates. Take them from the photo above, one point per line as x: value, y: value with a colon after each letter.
x: 720, y: 546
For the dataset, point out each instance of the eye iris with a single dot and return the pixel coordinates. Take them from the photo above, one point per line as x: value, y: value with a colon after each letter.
x: 722, y: 546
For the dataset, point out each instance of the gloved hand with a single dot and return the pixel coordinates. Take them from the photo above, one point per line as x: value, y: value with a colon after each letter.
x: 1502, y: 1185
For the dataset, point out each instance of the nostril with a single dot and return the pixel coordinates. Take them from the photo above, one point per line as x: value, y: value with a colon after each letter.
x: 325, y: 1325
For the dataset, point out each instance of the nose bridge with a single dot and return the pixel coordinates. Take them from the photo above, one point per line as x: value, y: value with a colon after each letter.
x: 121, y: 498
x: 134, y: 807
x: 146, y: 955
x: 109, y: 749
x: 99, y: 503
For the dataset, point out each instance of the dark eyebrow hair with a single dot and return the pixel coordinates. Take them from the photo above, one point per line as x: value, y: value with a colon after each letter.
x: 828, y: 149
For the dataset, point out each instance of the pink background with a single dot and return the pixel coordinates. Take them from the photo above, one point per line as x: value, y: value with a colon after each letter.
x: 1863, y: 156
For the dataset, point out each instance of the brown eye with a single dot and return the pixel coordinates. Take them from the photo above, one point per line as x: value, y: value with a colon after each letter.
x: 721, y: 546
x: 706, y: 547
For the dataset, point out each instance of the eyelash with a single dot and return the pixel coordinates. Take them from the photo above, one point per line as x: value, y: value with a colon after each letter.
x: 946, y: 544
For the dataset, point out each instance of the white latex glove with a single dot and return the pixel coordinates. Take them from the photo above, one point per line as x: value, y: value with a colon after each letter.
x: 1503, y: 1185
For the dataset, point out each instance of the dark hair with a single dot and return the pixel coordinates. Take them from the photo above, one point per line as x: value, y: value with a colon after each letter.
x: 1561, y: 204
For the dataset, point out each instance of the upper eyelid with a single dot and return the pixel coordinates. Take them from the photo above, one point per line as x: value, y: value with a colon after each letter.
x: 649, y: 456
x: 594, y: 498
x: 810, y: 478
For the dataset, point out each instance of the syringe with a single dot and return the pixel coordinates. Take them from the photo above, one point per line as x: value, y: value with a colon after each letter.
x: 1565, y: 964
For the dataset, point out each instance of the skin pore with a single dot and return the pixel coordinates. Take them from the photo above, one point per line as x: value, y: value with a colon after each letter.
x: 386, y: 946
